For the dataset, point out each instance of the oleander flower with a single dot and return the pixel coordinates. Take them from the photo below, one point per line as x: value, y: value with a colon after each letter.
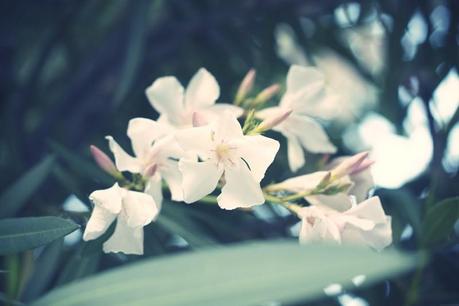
x: 132, y: 210
x: 156, y: 157
x: 177, y: 105
x: 362, y: 224
x: 225, y: 154
x: 305, y: 87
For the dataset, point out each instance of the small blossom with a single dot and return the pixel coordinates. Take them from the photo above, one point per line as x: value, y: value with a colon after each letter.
x: 225, y: 154
x: 156, y: 156
x: 132, y: 210
x: 305, y: 86
x: 177, y: 105
x: 365, y: 224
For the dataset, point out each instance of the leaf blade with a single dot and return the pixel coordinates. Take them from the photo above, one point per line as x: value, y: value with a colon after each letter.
x: 20, y: 234
x: 246, y: 274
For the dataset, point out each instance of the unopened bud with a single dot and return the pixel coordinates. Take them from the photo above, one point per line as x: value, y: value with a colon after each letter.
x: 266, y: 94
x: 271, y: 122
x: 103, y: 161
x: 324, y: 182
x: 199, y: 119
x: 245, y: 87
x: 351, y: 165
x: 151, y: 170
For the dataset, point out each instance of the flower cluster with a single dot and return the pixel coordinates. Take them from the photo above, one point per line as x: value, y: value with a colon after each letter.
x: 197, y: 147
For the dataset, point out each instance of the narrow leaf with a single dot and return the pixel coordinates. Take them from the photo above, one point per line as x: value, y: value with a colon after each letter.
x: 16, y: 196
x: 20, y: 234
x: 439, y: 221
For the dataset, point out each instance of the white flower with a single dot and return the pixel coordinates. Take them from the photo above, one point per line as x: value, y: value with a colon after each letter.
x: 224, y: 152
x: 132, y: 211
x: 305, y: 88
x: 176, y: 105
x: 156, y: 156
x: 362, y: 224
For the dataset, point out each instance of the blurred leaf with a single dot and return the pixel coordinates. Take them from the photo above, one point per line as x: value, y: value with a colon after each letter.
x: 45, y: 267
x: 20, y: 234
x: 246, y: 274
x: 439, y: 221
x: 81, y: 165
x: 16, y: 196
x: 79, y: 265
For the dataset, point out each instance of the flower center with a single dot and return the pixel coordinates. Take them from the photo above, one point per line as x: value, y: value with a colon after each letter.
x: 222, y: 151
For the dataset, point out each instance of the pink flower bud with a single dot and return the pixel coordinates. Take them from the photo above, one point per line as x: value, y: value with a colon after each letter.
x: 266, y: 94
x: 151, y: 170
x: 199, y: 119
x: 271, y: 122
x: 103, y: 161
x: 352, y: 165
x: 246, y: 86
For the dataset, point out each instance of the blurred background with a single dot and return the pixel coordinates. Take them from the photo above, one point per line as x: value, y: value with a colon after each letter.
x: 75, y: 71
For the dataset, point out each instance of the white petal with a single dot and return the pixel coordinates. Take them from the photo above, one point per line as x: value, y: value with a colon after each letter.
x: 166, y: 96
x: 259, y: 152
x: 363, y: 182
x: 198, y: 140
x: 227, y: 128
x: 217, y: 110
x: 339, y: 202
x: 154, y: 189
x: 173, y: 178
x: 198, y: 179
x: 310, y: 134
x: 378, y: 238
x: 370, y: 209
x: 295, y: 153
x: 299, y: 77
x: 123, y: 161
x: 110, y: 199
x: 98, y: 223
x: 143, y: 132
x: 125, y: 239
x: 240, y: 189
x: 139, y: 208
x: 303, y: 183
x: 202, y: 91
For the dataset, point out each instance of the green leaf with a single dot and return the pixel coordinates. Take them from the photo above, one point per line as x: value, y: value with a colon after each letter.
x: 439, y: 221
x: 20, y: 234
x: 16, y: 196
x: 245, y: 274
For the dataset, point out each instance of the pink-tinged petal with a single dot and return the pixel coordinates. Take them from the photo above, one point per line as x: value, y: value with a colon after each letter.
x: 139, y: 208
x: 166, y: 96
x: 98, y: 223
x: 198, y: 179
x: 240, y: 189
x: 202, y: 91
x: 143, y: 132
x: 125, y: 239
x: 123, y: 161
x: 310, y: 134
x: 198, y: 140
x: 269, y: 112
x: 259, y: 153
x: 110, y: 199
x: 370, y: 209
x: 378, y: 238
